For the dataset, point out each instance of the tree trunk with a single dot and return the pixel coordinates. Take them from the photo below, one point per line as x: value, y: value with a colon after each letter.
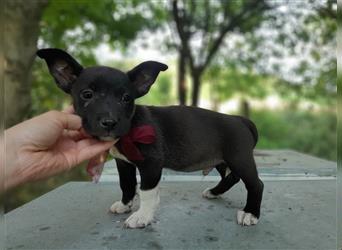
x: 196, y: 84
x: 21, y: 20
x: 244, y: 108
x: 182, y: 90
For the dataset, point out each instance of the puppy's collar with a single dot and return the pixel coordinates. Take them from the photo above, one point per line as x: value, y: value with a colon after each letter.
x: 144, y: 134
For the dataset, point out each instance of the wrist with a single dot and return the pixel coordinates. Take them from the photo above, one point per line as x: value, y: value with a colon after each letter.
x: 11, y: 174
x: 2, y: 163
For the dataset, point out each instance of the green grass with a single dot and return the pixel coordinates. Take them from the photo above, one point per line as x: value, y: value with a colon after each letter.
x: 312, y: 133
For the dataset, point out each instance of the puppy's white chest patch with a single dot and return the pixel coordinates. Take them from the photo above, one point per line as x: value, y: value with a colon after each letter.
x: 117, y: 155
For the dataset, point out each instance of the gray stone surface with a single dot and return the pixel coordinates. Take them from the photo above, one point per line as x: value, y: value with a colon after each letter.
x: 295, y: 215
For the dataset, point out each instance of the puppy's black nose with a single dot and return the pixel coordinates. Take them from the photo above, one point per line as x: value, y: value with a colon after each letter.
x: 108, y: 123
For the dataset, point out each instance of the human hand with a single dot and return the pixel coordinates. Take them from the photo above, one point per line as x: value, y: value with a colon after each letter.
x: 47, y: 145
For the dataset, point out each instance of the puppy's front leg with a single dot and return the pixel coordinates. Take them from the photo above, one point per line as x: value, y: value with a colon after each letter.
x: 149, y: 198
x: 128, y: 183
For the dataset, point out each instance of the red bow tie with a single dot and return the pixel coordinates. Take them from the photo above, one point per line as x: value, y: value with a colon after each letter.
x: 144, y: 134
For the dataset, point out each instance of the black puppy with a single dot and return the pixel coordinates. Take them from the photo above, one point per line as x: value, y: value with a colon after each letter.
x: 178, y: 137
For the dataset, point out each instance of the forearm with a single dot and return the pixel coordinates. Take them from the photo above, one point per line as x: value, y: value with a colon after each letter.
x: 11, y: 174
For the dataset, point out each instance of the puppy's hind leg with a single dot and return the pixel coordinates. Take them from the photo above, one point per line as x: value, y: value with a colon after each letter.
x: 243, y: 165
x: 228, y: 180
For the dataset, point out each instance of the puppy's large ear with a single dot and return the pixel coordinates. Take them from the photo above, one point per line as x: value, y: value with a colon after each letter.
x: 62, y: 67
x: 144, y: 75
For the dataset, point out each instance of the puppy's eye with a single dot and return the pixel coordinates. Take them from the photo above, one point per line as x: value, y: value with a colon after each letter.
x: 87, y: 94
x: 126, y: 98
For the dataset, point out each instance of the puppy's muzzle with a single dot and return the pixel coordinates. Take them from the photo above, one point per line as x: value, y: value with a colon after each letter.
x: 108, y: 123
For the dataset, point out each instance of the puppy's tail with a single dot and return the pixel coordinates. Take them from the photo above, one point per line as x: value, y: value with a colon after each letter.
x: 252, y: 128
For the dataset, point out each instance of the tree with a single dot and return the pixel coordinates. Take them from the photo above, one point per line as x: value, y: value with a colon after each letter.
x: 230, y: 81
x: 297, y: 45
x: 320, y: 28
x: 22, y: 29
x: 77, y: 26
x: 80, y: 26
x: 208, y: 23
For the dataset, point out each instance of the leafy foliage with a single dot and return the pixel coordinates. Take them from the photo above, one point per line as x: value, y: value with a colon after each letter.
x: 305, y: 36
x: 80, y: 26
x: 226, y: 82
x: 160, y: 93
x: 202, y: 25
x: 295, y: 45
x: 312, y: 133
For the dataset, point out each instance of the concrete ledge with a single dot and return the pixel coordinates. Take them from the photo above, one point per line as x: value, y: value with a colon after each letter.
x: 295, y: 215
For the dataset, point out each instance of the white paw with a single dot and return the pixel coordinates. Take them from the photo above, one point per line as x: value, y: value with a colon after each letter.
x: 149, y: 200
x: 139, y: 219
x: 119, y: 208
x: 207, y: 194
x: 246, y: 219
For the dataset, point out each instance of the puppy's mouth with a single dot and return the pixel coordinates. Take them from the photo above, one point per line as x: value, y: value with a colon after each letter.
x: 103, y: 136
x: 108, y: 138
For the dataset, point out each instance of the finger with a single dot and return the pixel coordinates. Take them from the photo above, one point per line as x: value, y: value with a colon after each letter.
x: 84, y: 133
x: 75, y: 135
x: 91, y: 141
x: 93, y: 150
x: 69, y: 110
x: 86, y: 149
x: 70, y: 121
x: 86, y: 142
